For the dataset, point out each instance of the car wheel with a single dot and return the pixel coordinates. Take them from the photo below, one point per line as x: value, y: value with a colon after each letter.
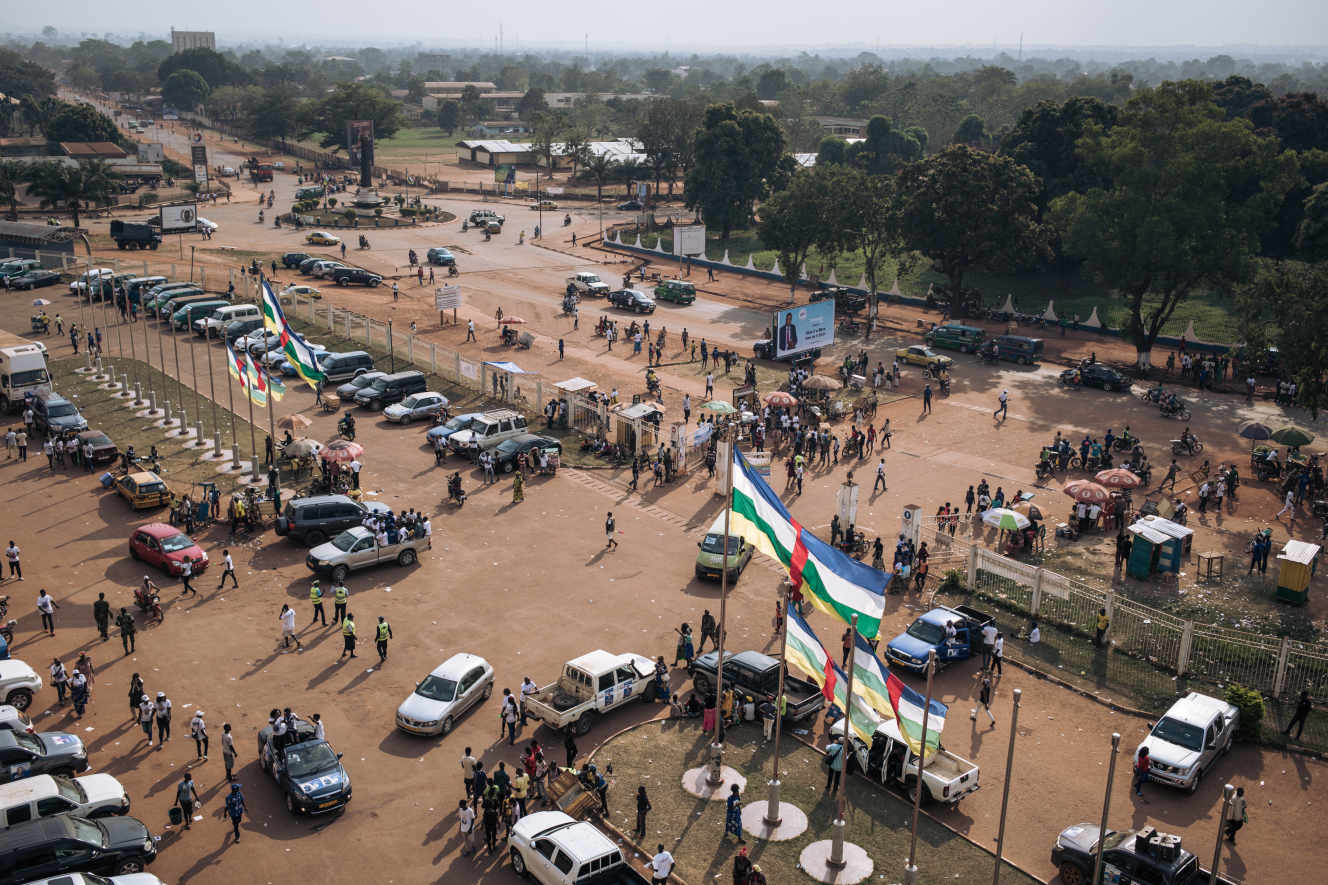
x: 314, y: 538
x: 488, y: 690
x: 1071, y: 874
x: 519, y: 864
x: 585, y: 723
x: 133, y: 554
x: 508, y: 467
x: 702, y: 685
x: 406, y: 558
x: 447, y: 726
x: 1021, y: 361
x: 290, y: 803
x: 129, y: 866
x: 20, y: 699
x: 343, y: 282
x: 339, y: 573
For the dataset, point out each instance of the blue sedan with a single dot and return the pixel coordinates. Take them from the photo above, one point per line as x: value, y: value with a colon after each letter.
x: 437, y: 436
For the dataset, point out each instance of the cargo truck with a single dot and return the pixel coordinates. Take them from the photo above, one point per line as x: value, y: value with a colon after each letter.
x: 22, y: 371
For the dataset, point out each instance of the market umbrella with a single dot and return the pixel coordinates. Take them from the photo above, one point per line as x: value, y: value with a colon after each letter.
x: 782, y: 398
x: 511, y: 321
x: 1292, y: 436
x: 1118, y: 478
x: 1029, y: 509
x: 1087, y: 492
x: 1255, y: 430
x: 302, y: 447
x: 1003, y: 518
x: 40, y: 302
x: 718, y: 405
x: 293, y: 422
x: 342, y: 450
x: 822, y: 382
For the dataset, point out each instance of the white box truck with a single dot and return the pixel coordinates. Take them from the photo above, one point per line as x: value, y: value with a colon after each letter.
x: 22, y: 371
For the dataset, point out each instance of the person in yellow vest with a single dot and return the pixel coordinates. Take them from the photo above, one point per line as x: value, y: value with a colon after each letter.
x: 339, y: 596
x: 348, y: 635
x: 520, y: 789
x: 384, y: 634
x: 1101, y: 626
x: 316, y: 597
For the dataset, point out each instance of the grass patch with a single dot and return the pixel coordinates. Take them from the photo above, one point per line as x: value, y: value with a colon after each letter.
x: 657, y: 753
x: 1072, y: 293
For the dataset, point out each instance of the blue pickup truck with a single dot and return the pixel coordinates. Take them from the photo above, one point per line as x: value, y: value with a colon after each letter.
x: 908, y: 650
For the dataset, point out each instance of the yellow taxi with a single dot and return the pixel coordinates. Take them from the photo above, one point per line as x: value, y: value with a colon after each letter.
x: 923, y: 356
x: 143, y: 490
x: 546, y: 205
x: 301, y: 290
x: 322, y: 238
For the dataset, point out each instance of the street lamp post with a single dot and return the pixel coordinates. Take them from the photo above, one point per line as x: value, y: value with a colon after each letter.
x: 1106, y: 809
x: 1005, y: 795
x: 1228, y: 792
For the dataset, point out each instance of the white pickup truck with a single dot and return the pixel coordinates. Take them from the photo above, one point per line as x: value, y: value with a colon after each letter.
x: 556, y: 849
x: 947, y: 777
x: 591, y: 685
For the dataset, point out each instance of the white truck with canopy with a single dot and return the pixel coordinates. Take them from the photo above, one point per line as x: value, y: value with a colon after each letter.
x: 590, y: 686
x: 946, y: 777
x: 22, y: 371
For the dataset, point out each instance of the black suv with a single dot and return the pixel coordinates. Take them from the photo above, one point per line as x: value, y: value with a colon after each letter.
x: 344, y: 276
x: 1141, y: 856
x: 294, y: 259
x: 1105, y: 377
x: 51, y: 846
x: 846, y: 300
x: 47, y: 752
x: 632, y: 299
x: 313, y: 520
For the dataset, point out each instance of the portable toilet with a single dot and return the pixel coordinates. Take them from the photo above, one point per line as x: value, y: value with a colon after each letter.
x: 1144, y: 550
x: 1295, y: 566
x: 1172, y: 554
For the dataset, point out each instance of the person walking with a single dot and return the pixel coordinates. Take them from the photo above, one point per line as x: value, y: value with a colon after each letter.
x: 492, y: 802
x: 997, y: 651
x: 101, y: 615
x: 228, y: 751
x: 340, y: 596
x: 609, y: 527
x: 46, y: 606
x: 380, y: 639
x: 642, y: 809
x: 468, y: 763
x: 1289, y: 504
x: 1141, y: 767
x: 510, y: 715
x: 187, y: 572
x: 569, y: 746
x: 1004, y: 400
x: 1236, y: 815
x: 187, y: 797
x: 661, y: 865
x: 316, y: 597
x: 78, y: 692
x: 880, y: 477
x: 1303, y: 707
x: 466, y: 827
x: 834, y: 764
x: 348, y: 636
x: 984, y: 700
x: 733, y: 815
x: 287, y: 619
x: 146, y: 714
x: 125, y: 621
x: 988, y: 644
x: 198, y: 731
x: 926, y: 399
x: 520, y: 790
x: 235, y: 808
x: 162, y: 710
x: 22, y: 442
x: 60, y: 679
x: 470, y: 330
x: 1172, y: 472
x: 228, y: 571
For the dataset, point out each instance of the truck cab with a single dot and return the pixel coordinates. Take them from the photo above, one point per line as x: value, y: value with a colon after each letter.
x: 22, y: 371
x: 591, y: 685
x: 909, y: 649
x: 889, y: 760
x: 1188, y: 739
x: 554, y: 848
x: 1135, y: 856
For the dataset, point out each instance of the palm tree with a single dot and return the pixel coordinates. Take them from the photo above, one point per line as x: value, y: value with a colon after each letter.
x: 600, y: 168
x: 11, y: 175
x: 66, y: 187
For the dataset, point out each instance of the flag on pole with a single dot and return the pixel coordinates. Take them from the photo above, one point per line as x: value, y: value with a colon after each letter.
x: 861, y: 716
x: 236, y: 366
x: 837, y: 584
x: 257, y: 386
x: 297, y: 350
x: 908, y: 706
x: 871, y: 678
x: 275, y: 386
x: 805, y: 654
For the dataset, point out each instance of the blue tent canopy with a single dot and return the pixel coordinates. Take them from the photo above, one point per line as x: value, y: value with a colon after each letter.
x: 506, y: 366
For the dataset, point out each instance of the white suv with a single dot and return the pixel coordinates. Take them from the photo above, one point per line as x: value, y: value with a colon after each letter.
x: 18, y: 683
x: 1188, y: 739
x: 487, y: 431
x: 93, y: 795
x: 587, y: 283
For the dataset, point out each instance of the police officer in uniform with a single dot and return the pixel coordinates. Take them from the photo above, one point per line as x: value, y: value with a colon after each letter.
x: 339, y: 596
x: 348, y: 635
x: 316, y: 597
x: 384, y: 634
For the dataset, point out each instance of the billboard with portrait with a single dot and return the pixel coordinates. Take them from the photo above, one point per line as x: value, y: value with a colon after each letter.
x: 175, y: 219
x: 804, y: 327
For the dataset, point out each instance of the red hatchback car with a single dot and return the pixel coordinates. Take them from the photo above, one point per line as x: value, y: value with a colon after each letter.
x: 166, y: 547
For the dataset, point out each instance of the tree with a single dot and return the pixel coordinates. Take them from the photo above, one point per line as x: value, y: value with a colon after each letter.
x: 601, y: 168
x: 1237, y: 94
x: 739, y: 159
x: 532, y: 103
x: 546, y: 129
x: 656, y: 134
x: 472, y: 106
x: 1299, y: 119
x: 1286, y: 306
x: 885, y: 148
x: 792, y: 220
x: 12, y: 174
x: 449, y: 115
x: 215, y: 68
x: 272, y: 112
x: 1312, y: 232
x: 351, y: 101
x: 185, y: 89
x: 67, y: 187
x: 1045, y: 137
x: 833, y: 150
x: 869, y: 222
x: 1188, y: 193
x: 968, y: 209
x: 972, y: 131
x: 772, y: 83
x: 79, y: 122
x: 19, y: 77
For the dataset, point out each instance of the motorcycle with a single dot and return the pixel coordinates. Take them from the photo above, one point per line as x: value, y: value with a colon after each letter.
x: 150, y: 603
x: 567, y: 220
x: 1125, y: 443
x: 487, y: 236
x: 855, y: 544
x: 1044, y: 469
x: 1184, y: 447
x: 1153, y: 394
x: 455, y: 494
x: 1070, y: 378
x: 346, y: 428
x: 945, y: 385
x: 1177, y: 410
x: 364, y: 242
x: 453, y: 271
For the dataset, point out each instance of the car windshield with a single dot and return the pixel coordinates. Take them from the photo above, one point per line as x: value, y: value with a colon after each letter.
x: 176, y: 542
x: 98, y: 439
x: 412, y: 402
x: 379, y: 384
x: 30, y: 743
x: 713, y: 544
x: 32, y: 376
x: 88, y: 832
x: 61, y: 410
x: 345, y: 541
x: 70, y: 790
x: 148, y: 488
x: 437, y: 688
x: 305, y: 759
x: 457, y: 424
x: 508, y: 446
x: 1182, y: 734
x: 362, y: 381
x: 926, y: 631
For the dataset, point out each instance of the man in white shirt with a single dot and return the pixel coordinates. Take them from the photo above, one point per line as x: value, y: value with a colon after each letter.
x: 12, y: 556
x: 528, y: 687
x: 355, y: 473
x: 186, y: 573
x: 466, y: 827
x: 227, y: 570
x: 998, y: 651
x: 46, y: 606
x: 988, y: 641
x: 660, y: 866
x: 427, y: 527
x: 287, y: 618
x: 320, y: 733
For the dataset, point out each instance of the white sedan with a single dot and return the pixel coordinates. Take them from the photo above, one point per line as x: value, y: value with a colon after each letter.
x: 455, y: 685
x: 416, y: 406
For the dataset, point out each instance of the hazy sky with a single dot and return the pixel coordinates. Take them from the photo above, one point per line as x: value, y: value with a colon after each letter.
x: 682, y: 25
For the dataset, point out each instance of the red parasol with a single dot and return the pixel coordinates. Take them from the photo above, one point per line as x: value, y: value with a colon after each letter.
x: 782, y: 398
x: 342, y: 450
x: 1118, y: 478
x: 1087, y: 492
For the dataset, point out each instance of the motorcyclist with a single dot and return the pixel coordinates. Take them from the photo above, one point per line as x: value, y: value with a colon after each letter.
x: 567, y: 219
x: 346, y: 426
x: 452, y: 270
x: 454, y: 490
x: 1188, y: 440
x: 1108, y: 440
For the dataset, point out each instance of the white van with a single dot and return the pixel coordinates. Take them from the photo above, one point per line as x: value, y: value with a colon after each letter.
x: 215, y: 324
x: 44, y: 795
x: 487, y: 431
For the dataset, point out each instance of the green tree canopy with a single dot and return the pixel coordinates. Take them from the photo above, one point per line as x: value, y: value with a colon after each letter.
x: 1045, y: 138
x: 833, y: 150
x: 967, y: 209
x: 1286, y: 306
x: 739, y: 159
x: 972, y: 131
x: 185, y: 89
x: 212, y: 66
x: 449, y: 116
x: 346, y: 102
x: 1312, y: 232
x: 885, y: 149
x: 792, y: 220
x: 1187, y: 197
x: 273, y: 112
x: 67, y: 187
x: 79, y: 122
x: 20, y: 77
x: 532, y: 103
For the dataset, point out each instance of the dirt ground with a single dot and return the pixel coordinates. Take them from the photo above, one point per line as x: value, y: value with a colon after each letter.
x: 529, y: 585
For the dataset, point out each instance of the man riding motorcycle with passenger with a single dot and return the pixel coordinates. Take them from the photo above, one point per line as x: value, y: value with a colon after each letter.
x: 346, y: 426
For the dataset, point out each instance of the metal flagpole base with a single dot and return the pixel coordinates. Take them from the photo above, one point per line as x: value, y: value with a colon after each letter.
x: 855, y: 865
x: 716, y: 776
x: 216, y: 444
x: 836, y: 858
x: 910, y: 875
x: 696, y: 781
x: 772, y: 818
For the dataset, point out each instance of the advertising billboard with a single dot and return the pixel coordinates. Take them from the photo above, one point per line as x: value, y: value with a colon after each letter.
x: 689, y: 239
x: 198, y: 158
x: 804, y: 327
x: 177, y: 219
